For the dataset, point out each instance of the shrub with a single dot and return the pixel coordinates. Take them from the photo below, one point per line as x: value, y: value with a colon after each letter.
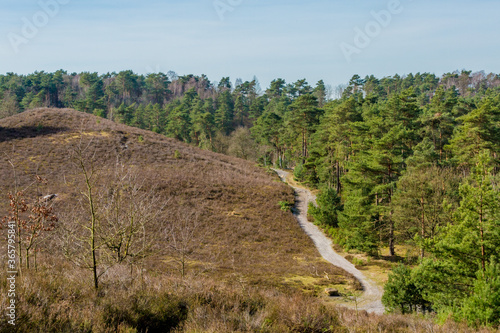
x: 286, y: 206
x: 299, y: 172
x: 358, y: 262
x: 401, y: 294
x: 328, y: 206
x: 483, y: 306
x: 99, y: 113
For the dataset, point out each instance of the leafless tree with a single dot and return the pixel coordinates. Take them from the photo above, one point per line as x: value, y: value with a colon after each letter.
x: 184, y: 237
x: 83, y: 246
x: 242, y: 145
x: 114, y: 223
x: 128, y: 209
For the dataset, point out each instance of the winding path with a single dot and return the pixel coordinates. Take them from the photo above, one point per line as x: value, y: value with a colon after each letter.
x: 372, y: 296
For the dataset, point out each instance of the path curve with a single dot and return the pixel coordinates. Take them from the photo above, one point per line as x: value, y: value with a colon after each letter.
x: 371, y: 301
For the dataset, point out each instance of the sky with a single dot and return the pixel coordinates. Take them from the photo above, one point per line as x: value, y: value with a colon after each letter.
x: 328, y: 40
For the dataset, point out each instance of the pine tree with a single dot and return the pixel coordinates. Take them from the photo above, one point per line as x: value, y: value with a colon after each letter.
x: 438, y: 121
x: 480, y: 130
x: 421, y: 203
x: 465, y: 249
x: 224, y: 114
x: 302, y: 121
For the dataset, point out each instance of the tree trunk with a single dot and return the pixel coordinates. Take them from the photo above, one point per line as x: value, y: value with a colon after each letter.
x: 93, y: 222
x: 27, y: 258
x: 338, y: 177
x: 440, y: 145
x: 422, y: 226
x: 303, y: 146
x: 481, y: 231
x: 391, y: 221
x: 391, y: 235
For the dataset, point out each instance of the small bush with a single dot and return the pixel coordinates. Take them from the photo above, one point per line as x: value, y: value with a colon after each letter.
x: 99, y: 113
x: 177, y: 155
x: 401, y: 294
x: 328, y: 207
x: 286, y: 206
x: 299, y: 173
x: 358, y: 262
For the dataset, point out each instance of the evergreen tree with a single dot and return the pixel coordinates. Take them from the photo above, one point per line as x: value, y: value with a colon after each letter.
x: 401, y: 293
x: 422, y: 202
x: 480, y: 130
x: 438, y: 121
x: 320, y: 93
x: 302, y: 120
x: 328, y: 206
x: 465, y: 249
x: 225, y: 112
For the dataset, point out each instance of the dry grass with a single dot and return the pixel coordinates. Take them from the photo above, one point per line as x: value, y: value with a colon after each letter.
x: 53, y: 301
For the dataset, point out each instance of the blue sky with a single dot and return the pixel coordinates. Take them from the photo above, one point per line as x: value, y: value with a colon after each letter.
x: 269, y: 39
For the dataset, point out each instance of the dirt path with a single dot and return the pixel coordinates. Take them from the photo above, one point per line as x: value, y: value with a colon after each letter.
x: 371, y: 299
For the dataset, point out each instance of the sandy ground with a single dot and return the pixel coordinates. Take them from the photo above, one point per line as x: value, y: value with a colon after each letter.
x: 371, y: 298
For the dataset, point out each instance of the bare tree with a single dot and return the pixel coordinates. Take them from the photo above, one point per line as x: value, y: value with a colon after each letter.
x: 242, y: 145
x: 31, y: 219
x: 184, y: 238
x: 338, y: 91
x: 128, y: 208
x: 118, y: 212
x: 84, y: 159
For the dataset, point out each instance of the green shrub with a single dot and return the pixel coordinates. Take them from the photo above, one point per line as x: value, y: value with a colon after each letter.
x: 401, y: 294
x: 299, y: 172
x: 286, y: 206
x: 483, y: 306
x: 99, y: 113
x: 358, y: 262
x: 328, y: 206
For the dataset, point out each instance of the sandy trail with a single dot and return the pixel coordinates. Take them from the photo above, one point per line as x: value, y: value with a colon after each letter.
x: 371, y: 299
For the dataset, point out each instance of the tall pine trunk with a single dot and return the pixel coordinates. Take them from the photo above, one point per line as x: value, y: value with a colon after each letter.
x: 422, y: 225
